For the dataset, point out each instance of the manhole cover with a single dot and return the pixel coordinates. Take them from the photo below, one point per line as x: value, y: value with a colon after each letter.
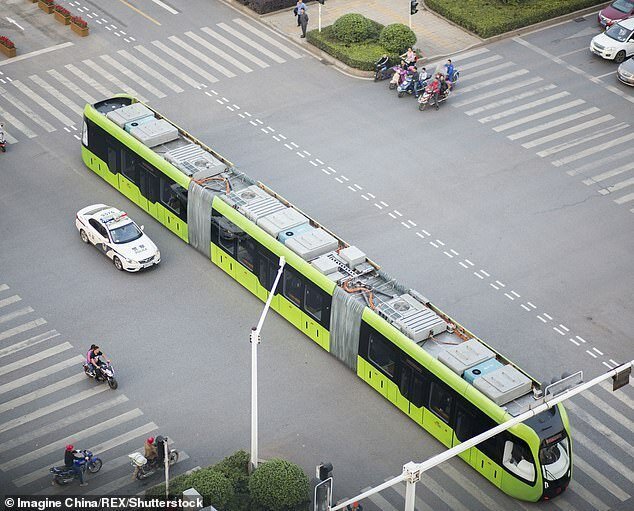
x: 579, y: 20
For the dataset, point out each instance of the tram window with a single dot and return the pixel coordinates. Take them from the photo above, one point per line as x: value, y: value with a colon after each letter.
x: 381, y: 354
x: 293, y: 287
x: 266, y: 270
x: 246, y: 252
x: 97, y: 139
x: 517, y: 458
x: 440, y: 400
x: 149, y: 181
x: 174, y: 197
x: 314, y: 301
x: 113, y: 157
x: 417, y: 397
x: 128, y: 164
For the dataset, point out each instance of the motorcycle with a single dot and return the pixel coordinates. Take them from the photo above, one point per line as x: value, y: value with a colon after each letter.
x: 383, y: 72
x: 64, y: 475
x: 398, y: 77
x: 3, y: 142
x: 427, y: 96
x: 104, y: 372
x: 144, y: 468
x: 413, y: 84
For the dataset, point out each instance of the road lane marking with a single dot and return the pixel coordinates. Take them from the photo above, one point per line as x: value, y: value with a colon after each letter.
x: 30, y: 378
x: 201, y: 56
x: 497, y: 91
x: 71, y: 86
x: 511, y: 99
x: 130, y: 74
x: 89, y: 80
x: 605, y: 160
x: 488, y: 71
x: 27, y: 91
x: 165, y: 6
x: 26, y: 361
x: 552, y: 124
x: 123, y: 86
x: 138, y: 11
x: 9, y: 300
x: 567, y: 131
x: 165, y: 65
x: 593, y: 150
x: 35, y: 53
x: 219, y: 52
x: 251, y: 42
x: 492, y: 81
x: 481, y: 62
x: 617, y: 186
x: 523, y: 107
x: 187, y: 63
x: 53, y: 91
x: 597, y: 476
x: 538, y: 115
x: 243, y: 23
x: 610, y: 173
x: 15, y: 122
x: 582, y: 140
x: 471, y: 53
x: 44, y: 391
x: 150, y: 71
x: 9, y: 350
x: 22, y: 328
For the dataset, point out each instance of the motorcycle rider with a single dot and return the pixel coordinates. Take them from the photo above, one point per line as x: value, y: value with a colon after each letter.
x: 381, y: 65
x: 149, y: 451
x: 93, y: 359
x: 434, y: 89
x: 75, y: 459
x: 3, y: 140
x: 449, y: 70
x: 419, y: 83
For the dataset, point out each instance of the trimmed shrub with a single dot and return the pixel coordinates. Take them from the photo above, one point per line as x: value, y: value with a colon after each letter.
x: 279, y: 485
x: 177, y: 486
x: 492, y: 17
x: 212, y: 484
x: 265, y: 6
x: 396, y: 38
x: 359, y: 56
x: 352, y: 28
x: 236, y: 469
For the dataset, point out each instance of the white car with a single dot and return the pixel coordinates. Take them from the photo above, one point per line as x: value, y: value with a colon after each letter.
x: 616, y: 43
x: 117, y: 236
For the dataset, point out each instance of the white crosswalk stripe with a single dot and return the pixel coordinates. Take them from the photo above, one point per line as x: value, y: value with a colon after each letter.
x: 597, y: 504
x: 605, y: 482
x: 150, y: 71
x: 614, y: 463
x: 130, y: 74
x: 77, y: 436
x: 478, y: 63
x: 105, y: 93
x: 177, y: 56
x: 15, y: 314
x: 487, y: 72
x: 487, y: 502
x: 244, y: 24
x: 201, y: 56
x: 219, y: 52
x: 538, y: 115
x: 56, y: 94
x: 497, y: 91
x: 582, y: 140
x: 606, y: 175
x: 44, y: 391
x: 594, y: 150
x: 240, y: 51
x: 511, y: 99
x: 617, y: 186
x: 626, y: 198
x: 30, y: 114
x: 606, y: 160
x: 14, y: 122
x: 166, y: 65
x: 381, y: 502
x: 526, y: 106
x: 492, y: 81
x: 108, y: 76
x: 568, y: 131
x: 71, y: 86
x: 27, y: 91
x: 10, y: 350
x: 42, y: 373
x: 551, y: 124
x: 41, y: 412
x: 61, y: 424
x: 55, y: 350
x: 4, y: 287
x: 251, y: 42
x: 471, y: 53
x: 22, y: 328
x: 8, y: 301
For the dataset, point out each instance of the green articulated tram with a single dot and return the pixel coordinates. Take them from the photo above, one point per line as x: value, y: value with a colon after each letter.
x: 445, y: 378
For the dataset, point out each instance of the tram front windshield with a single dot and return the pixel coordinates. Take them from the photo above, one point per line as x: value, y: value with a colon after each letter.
x: 554, y: 456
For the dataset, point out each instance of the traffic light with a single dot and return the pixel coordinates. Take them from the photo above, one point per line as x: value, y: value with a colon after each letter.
x: 413, y: 7
x: 324, y: 471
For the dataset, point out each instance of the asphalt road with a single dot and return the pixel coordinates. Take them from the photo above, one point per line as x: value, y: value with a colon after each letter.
x: 530, y: 251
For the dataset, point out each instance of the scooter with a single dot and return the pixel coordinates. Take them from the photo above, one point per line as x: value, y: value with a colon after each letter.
x: 144, y: 468
x: 383, y: 72
x: 3, y: 142
x: 398, y: 77
x: 426, y: 97
x: 104, y: 372
x: 64, y: 475
x: 407, y: 87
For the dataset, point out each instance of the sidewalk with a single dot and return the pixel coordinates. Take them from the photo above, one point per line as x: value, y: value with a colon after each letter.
x: 435, y: 36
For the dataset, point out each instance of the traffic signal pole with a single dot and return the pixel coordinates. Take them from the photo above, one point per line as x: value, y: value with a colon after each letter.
x: 412, y: 472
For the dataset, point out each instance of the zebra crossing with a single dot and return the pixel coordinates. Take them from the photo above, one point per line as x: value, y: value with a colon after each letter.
x: 602, y: 478
x: 570, y: 133
x: 46, y: 402
x: 44, y: 102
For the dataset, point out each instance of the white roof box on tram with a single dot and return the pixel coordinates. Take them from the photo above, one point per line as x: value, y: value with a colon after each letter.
x: 155, y: 132
x: 503, y: 385
x: 312, y: 244
x: 283, y: 220
x: 131, y: 113
x: 465, y: 356
x: 192, y: 158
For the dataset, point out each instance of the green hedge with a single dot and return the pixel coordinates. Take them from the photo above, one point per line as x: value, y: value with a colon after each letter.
x: 353, y: 28
x: 492, y: 17
x: 278, y: 485
x: 360, y: 55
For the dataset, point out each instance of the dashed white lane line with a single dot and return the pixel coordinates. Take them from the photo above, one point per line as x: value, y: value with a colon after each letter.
x: 525, y: 307
x: 494, y: 286
x: 478, y: 275
x: 558, y: 331
x: 574, y: 342
x: 510, y: 297
x: 463, y: 265
x: 591, y: 354
x: 581, y: 339
x: 484, y: 272
x: 541, y: 319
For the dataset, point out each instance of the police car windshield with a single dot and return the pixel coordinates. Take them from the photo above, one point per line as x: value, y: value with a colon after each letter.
x: 125, y: 233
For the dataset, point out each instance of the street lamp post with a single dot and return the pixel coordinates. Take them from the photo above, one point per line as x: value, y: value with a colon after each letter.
x: 255, y: 340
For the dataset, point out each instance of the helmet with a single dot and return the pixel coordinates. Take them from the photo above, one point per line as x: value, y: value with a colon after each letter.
x: 70, y: 447
x: 150, y: 440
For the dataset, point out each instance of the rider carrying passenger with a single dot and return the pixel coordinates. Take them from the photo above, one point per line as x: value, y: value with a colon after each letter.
x: 93, y: 358
x: 149, y: 451
x: 74, y: 458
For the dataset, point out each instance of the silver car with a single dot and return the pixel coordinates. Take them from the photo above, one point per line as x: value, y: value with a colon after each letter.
x: 625, y: 72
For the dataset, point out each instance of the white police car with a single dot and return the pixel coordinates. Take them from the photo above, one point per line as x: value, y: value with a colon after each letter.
x: 117, y: 236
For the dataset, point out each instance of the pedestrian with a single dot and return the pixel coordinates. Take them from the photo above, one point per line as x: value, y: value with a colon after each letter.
x: 300, y: 5
x: 303, y: 21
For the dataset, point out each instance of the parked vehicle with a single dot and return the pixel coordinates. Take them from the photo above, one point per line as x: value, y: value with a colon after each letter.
x: 616, y: 43
x: 144, y: 468
x: 65, y: 475
x: 617, y: 11
x: 103, y: 373
x: 625, y: 72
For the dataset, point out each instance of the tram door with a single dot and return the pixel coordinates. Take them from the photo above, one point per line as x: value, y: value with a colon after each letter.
x: 411, y: 387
